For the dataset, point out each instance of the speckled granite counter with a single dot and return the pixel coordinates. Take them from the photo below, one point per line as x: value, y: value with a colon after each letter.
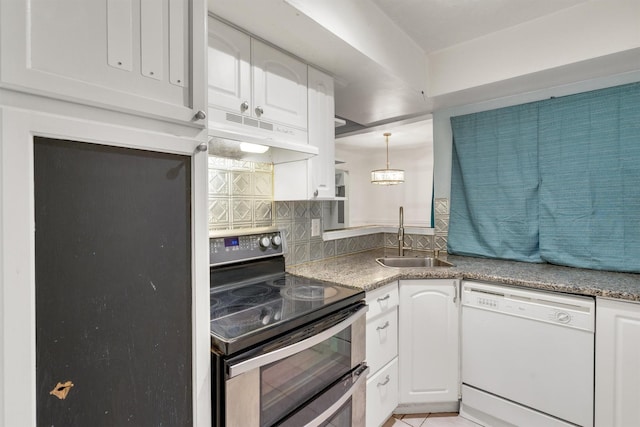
x: 361, y: 270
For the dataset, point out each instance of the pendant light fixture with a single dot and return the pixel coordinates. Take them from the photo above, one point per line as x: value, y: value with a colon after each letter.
x: 387, y: 176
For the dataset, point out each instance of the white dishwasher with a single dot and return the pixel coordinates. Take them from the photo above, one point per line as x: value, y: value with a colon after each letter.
x: 527, y: 357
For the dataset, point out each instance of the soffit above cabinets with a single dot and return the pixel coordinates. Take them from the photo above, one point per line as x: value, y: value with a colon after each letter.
x: 369, y: 89
x: 397, y: 59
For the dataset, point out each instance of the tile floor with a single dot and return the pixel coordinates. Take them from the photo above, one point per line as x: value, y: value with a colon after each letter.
x: 429, y: 420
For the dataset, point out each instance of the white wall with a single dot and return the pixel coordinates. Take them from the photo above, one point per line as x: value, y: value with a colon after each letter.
x: 361, y: 24
x: 379, y: 205
x: 589, y: 30
x: 443, y: 140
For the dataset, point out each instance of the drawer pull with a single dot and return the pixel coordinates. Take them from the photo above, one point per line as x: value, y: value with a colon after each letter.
x: 385, y: 382
x: 384, y: 298
x: 385, y: 326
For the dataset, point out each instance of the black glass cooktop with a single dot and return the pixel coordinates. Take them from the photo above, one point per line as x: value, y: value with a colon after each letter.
x: 252, y: 310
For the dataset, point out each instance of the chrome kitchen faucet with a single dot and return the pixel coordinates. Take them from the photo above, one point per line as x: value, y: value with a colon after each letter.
x: 401, y: 246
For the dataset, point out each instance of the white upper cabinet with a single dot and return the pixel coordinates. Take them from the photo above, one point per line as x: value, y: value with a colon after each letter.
x: 254, y: 87
x: 314, y: 178
x: 143, y: 57
x: 322, y: 134
x: 229, y: 68
x: 279, y: 86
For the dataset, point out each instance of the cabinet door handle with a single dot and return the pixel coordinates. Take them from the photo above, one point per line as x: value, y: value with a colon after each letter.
x: 384, y: 298
x: 259, y: 111
x: 244, y: 106
x: 385, y: 382
x: 200, y: 115
x: 455, y: 292
x: 385, y: 326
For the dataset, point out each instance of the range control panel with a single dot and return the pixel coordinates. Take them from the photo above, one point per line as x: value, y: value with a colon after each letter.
x: 244, y: 247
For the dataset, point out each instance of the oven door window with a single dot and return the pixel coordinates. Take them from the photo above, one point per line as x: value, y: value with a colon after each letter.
x: 288, y: 383
x: 342, y: 418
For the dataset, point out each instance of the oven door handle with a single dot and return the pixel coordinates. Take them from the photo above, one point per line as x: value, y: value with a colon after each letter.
x: 281, y: 353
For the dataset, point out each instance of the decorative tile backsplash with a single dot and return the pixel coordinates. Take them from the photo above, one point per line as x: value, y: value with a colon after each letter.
x: 294, y: 218
x: 240, y: 194
x: 241, y: 197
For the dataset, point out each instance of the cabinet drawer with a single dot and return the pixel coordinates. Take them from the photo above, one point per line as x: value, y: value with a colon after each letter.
x: 382, y: 394
x: 382, y: 299
x: 382, y: 339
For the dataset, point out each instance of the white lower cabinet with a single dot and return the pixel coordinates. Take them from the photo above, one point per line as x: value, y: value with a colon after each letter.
x: 382, y: 354
x: 382, y: 339
x: 429, y: 345
x: 617, y: 400
x: 382, y: 394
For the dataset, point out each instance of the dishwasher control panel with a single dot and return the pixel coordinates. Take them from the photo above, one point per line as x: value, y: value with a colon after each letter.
x: 488, y: 302
x: 566, y: 310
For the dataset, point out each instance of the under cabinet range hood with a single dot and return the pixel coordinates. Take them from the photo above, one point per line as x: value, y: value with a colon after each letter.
x: 244, y: 138
x: 242, y: 147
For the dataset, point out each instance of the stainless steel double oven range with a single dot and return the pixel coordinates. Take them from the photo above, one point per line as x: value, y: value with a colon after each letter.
x: 285, y: 350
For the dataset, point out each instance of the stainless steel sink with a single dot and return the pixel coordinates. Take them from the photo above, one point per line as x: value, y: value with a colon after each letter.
x: 413, y: 262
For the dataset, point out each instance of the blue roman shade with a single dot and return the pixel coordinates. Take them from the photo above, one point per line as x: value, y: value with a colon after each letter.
x: 494, y: 184
x: 590, y: 179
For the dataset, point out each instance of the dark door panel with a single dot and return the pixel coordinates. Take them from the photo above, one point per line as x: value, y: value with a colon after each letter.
x: 113, y: 286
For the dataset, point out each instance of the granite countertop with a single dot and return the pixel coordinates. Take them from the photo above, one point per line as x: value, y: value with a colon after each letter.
x: 361, y: 270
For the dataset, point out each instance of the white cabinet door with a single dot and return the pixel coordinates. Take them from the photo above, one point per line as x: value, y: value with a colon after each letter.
x: 229, y: 70
x: 617, y: 401
x: 322, y: 134
x: 279, y: 86
x: 144, y: 57
x: 314, y: 178
x: 428, y: 341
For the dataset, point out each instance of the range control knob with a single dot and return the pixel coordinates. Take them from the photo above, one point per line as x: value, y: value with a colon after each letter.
x: 276, y: 240
x: 264, y: 242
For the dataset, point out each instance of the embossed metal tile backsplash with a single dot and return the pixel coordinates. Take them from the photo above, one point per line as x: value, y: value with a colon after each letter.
x: 240, y: 194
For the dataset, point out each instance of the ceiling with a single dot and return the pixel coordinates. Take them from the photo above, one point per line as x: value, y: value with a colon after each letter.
x: 438, y: 24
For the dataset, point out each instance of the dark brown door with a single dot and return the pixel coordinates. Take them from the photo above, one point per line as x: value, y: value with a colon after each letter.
x: 113, y: 286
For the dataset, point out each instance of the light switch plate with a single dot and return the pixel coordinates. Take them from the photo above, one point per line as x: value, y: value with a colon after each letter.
x: 315, y: 227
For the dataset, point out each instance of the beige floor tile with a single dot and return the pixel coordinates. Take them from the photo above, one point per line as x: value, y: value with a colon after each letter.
x: 394, y: 422
x: 447, y: 420
x: 414, y: 420
x: 443, y: 414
